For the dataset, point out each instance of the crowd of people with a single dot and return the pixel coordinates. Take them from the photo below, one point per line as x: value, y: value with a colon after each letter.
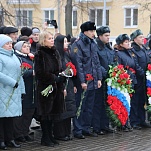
x: 37, y: 60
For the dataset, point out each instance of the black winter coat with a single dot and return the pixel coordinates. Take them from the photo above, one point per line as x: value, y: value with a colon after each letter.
x: 141, y: 53
x: 47, y: 69
x: 70, y: 98
x: 28, y: 98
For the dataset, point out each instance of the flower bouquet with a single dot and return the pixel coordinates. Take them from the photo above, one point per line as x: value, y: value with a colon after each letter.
x: 69, y: 72
x: 89, y: 78
x: 148, y: 85
x: 119, y: 90
x: 24, y: 67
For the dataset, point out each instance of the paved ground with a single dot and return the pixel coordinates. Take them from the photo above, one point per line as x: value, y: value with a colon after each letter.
x: 138, y: 140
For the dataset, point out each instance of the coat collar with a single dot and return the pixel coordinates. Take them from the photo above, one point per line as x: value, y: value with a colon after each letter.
x: 6, y: 52
x: 137, y: 47
x: 85, y: 39
x: 20, y: 53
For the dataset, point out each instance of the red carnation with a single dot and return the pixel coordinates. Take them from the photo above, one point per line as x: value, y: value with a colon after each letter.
x: 26, y: 65
x: 128, y: 82
x: 120, y: 66
x: 126, y: 75
x: 89, y: 77
x: 149, y: 67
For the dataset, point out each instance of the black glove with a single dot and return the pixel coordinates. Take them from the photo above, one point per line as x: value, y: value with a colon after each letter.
x: 60, y: 79
x: 54, y: 23
x: 16, y: 85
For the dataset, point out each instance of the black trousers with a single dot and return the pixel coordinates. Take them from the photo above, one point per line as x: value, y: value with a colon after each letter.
x: 62, y: 128
x: 6, y: 129
x: 22, y: 123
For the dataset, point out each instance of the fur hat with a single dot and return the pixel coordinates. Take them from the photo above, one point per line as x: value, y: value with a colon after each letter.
x: 102, y: 30
x: 135, y: 34
x: 4, y: 39
x: 25, y: 31
x: 9, y: 30
x: 18, y: 45
x: 87, y: 26
x: 121, y: 38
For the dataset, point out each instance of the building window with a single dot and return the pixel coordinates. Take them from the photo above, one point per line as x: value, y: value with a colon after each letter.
x: 24, y: 18
x: 131, y: 17
x: 96, y: 15
x: 74, y: 18
x: 49, y: 15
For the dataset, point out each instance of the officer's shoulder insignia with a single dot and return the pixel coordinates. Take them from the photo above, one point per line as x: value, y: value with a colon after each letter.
x: 75, y: 49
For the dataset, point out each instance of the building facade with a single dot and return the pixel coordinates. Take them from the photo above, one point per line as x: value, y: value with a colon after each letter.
x: 122, y: 16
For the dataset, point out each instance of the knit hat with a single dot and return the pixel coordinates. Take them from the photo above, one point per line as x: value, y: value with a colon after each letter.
x: 25, y: 31
x: 135, y: 34
x: 18, y: 45
x: 2, y: 29
x: 35, y: 30
x: 121, y: 38
x: 9, y: 30
x: 4, y: 39
x: 102, y: 30
x: 87, y: 26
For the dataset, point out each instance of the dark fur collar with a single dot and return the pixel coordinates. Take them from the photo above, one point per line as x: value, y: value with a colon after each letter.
x: 137, y: 47
x: 101, y: 45
x: 85, y: 39
x: 47, y: 50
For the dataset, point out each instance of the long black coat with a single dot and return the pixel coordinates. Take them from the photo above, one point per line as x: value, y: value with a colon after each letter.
x: 47, y: 69
x: 70, y: 98
x: 70, y: 104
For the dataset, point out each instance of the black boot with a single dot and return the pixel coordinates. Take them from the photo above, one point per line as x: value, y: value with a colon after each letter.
x: 12, y: 144
x: 51, y: 134
x: 45, y: 140
x: 3, y: 146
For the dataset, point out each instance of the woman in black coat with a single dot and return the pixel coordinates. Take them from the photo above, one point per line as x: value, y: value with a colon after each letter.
x: 62, y: 129
x: 47, y: 69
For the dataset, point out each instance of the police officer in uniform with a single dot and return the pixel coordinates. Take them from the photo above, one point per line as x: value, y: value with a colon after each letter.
x: 100, y: 122
x: 137, y: 114
x: 84, y: 56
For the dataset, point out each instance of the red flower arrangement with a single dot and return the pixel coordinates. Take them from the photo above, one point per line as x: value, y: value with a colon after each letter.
x: 25, y: 65
x: 89, y: 78
x: 117, y: 107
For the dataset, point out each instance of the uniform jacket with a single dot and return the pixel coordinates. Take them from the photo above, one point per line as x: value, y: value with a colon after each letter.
x: 106, y: 56
x: 47, y: 68
x: 10, y: 73
x: 84, y: 56
x: 142, y: 57
x: 27, y: 99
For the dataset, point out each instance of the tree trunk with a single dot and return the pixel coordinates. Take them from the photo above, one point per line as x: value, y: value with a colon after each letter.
x: 68, y: 17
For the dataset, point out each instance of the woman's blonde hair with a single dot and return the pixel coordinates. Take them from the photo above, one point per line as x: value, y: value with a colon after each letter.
x: 42, y: 37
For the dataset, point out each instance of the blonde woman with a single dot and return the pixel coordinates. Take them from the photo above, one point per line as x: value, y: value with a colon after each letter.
x: 47, y: 69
